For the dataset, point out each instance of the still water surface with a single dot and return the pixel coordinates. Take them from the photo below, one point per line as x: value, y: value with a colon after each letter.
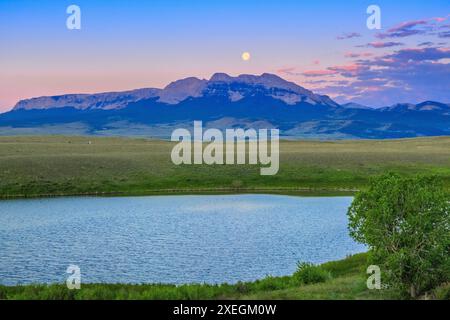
x: 169, y: 239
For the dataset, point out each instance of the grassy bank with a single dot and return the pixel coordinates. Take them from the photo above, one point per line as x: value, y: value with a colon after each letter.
x: 348, y: 281
x: 56, y: 165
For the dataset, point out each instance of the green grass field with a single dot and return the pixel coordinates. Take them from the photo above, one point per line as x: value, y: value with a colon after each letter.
x: 55, y: 165
x: 347, y: 282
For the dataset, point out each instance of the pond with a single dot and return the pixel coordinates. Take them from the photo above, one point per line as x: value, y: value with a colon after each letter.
x: 169, y: 239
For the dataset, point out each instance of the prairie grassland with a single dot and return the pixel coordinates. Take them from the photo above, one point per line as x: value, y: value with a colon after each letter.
x: 347, y: 282
x: 60, y: 165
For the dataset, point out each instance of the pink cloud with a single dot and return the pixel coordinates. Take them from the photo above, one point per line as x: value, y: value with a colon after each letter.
x: 341, y: 69
x: 286, y: 70
x: 407, y: 25
x: 410, y: 28
x: 439, y: 19
x: 348, y: 35
x: 372, y: 89
x: 381, y: 44
x: 351, y: 68
x: 357, y: 54
x: 319, y: 73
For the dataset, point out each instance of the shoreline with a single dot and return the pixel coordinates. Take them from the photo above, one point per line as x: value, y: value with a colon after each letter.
x: 199, y: 191
x: 346, y: 269
x: 346, y: 281
x: 327, y: 262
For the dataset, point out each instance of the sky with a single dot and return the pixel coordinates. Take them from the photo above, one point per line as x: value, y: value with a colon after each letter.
x: 322, y: 45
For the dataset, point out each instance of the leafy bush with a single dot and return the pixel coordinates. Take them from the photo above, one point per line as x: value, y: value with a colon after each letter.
x: 442, y: 292
x: 270, y: 283
x: 308, y: 273
x: 406, y: 224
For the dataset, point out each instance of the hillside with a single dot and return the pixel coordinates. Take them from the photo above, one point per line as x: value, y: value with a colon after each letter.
x: 58, y: 165
x: 246, y: 101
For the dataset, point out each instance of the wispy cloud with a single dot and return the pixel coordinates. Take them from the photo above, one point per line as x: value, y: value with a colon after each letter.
x: 357, y: 54
x: 348, y: 35
x: 348, y: 70
x: 408, y: 55
x: 426, y: 44
x: 414, y: 27
x: 319, y: 73
x: 380, y: 44
x: 290, y: 71
x: 399, y: 73
x: 404, y: 29
x: 409, y: 75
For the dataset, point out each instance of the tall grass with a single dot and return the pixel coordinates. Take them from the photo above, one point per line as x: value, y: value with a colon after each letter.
x: 57, y: 165
x: 342, y: 268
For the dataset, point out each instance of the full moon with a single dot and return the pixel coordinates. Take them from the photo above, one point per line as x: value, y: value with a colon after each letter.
x: 246, y: 56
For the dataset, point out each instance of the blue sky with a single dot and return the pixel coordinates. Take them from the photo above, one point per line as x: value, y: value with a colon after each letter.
x: 132, y: 44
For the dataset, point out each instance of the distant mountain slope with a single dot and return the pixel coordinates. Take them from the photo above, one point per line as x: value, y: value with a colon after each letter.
x: 220, y: 84
x: 223, y: 102
x: 106, y: 101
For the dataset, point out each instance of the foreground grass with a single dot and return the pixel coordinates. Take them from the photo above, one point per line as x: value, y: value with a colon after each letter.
x: 348, y: 281
x: 57, y: 165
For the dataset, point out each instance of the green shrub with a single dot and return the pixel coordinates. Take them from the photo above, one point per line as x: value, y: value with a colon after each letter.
x: 405, y: 222
x: 308, y: 273
x: 242, y: 287
x: 270, y: 283
x: 442, y: 292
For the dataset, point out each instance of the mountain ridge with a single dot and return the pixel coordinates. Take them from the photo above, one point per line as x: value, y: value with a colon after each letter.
x: 175, y: 92
x: 224, y: 101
